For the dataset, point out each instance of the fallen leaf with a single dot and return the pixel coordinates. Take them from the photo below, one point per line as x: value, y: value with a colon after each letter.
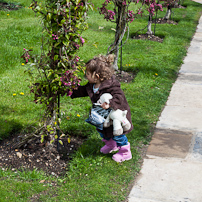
x: 42, y: 181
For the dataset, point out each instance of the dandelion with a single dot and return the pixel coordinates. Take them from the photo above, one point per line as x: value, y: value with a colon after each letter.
x: 23, y: 63
x: 21, y: 93
x: 78, y: 115
x: 126, y: 65
x: 156, y: 74
x: 14, y: 94
x: 55, y: 123
x: 8, y: 14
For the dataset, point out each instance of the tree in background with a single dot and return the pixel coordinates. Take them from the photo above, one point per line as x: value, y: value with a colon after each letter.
x: 169, y: 4
x: 152, y: 6
x: 121, y: 15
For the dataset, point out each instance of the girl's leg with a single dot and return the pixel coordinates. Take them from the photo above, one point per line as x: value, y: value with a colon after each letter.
x: 124, y: 149
x: 120, y: 140
x: 110, y: 145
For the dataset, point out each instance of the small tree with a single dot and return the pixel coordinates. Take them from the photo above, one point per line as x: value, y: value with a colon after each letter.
x: 56, y: 68
x: 152, y: 7
x: 169, y: 4
x: 121, y: 15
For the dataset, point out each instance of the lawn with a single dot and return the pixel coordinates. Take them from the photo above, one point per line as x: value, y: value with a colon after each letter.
x: 90, y: 176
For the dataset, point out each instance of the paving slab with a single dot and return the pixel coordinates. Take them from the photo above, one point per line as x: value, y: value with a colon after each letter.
x: 196, y: 47
x: 168, y: 180
x: 192, y: 58
x: 196, y: 148
x: 170, y: 143
x: 181, y: 118
x: 185, y: 95
x: 189, y: 78
x: 197, y: 37
x: 191, y: 67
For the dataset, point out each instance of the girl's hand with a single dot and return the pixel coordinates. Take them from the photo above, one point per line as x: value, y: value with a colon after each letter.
x: 105, y: 105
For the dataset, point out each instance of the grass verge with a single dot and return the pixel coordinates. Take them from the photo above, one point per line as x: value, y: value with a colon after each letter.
x: 91, y: 176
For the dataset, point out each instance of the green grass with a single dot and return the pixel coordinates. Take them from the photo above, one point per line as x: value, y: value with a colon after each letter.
x: 91, y: 176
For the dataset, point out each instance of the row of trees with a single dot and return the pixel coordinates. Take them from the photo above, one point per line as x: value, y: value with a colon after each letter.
x: 56, y: 69
x: 122, y: 15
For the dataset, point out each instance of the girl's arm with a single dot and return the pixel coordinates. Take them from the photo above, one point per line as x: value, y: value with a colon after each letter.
x: 80, y: 92
x: 118, y: 100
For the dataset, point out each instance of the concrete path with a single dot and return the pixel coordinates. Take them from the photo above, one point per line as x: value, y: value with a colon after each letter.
x: 172, y: 169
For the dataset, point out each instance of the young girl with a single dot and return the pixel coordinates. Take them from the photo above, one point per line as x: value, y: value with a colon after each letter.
x: 99, y: 72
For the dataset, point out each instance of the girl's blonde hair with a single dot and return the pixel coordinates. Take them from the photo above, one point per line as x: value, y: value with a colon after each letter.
x: 101, y: 65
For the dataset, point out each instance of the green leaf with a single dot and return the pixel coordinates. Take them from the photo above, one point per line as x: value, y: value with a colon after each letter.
x: 55, y: 57
x: 42, y: 138
x: 68, y: 140
x: 60, y: 141
x: 95, y: 44
x: 49, y: 16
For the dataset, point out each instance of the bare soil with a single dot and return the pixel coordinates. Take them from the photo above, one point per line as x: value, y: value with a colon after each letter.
x: 163, y: 21
x: 148, y: 37
x: 8, y: 6
x: 154, y: 37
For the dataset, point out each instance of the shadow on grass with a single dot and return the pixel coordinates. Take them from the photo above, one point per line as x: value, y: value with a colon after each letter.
x: 9, y: 128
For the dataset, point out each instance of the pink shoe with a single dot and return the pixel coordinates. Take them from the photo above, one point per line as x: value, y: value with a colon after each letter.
x: 123, y: 154
x: 110, y: 146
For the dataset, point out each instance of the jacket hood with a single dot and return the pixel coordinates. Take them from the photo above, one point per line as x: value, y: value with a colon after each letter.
x: 110, y: 83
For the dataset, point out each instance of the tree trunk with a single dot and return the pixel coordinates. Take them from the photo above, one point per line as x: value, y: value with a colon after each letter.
x: 168, y: 13
x: 120, y: 32
x: 149, y: 32
x: 116, y: 53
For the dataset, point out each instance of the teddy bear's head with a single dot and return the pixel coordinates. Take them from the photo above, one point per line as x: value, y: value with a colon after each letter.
x: 105, y: 98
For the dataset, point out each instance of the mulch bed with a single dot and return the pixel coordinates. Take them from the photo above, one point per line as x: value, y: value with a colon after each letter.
x: 148, y: 37
x: 8, y: 6
x: 153, y: 37
x: 163, y: 21
x: 36, y: 155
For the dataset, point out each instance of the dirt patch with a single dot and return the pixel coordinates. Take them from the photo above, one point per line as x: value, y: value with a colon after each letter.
x: 37, y: 155
x: 148, y: 37
x: 125, y: 77
x: 164, y: 21
x: 9, y: 6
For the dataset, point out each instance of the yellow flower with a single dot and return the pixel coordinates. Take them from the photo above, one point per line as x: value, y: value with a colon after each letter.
x: 78, y: 115
x: 67, y: 117
x: 126, y: 65
x: 21, y: 93
x: 8, y: 14
x: 55, y: 123
x: 156, y: 74
x: 129, y: 65
x: 23, y: 63
x: 14, y: 94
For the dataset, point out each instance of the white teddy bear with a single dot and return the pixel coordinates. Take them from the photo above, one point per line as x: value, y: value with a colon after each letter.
x: 115, y: 117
